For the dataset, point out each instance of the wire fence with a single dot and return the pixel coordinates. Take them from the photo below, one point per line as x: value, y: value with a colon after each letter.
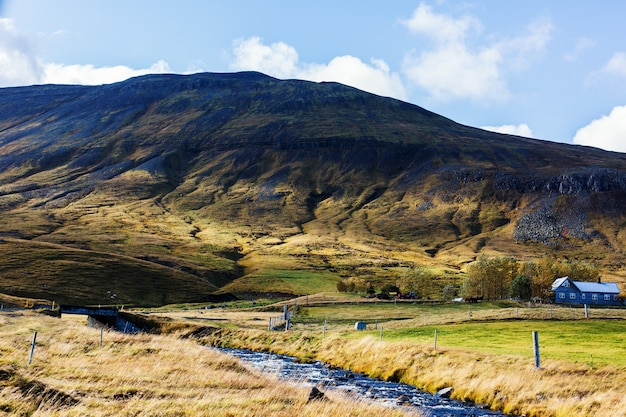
x: 435, y: 318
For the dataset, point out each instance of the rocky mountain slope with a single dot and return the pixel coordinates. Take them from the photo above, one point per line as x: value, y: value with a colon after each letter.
x: 169, y: 188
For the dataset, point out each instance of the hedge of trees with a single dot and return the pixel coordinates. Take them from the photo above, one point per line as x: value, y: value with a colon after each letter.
x: 497, y: 278
x: 489, y: 278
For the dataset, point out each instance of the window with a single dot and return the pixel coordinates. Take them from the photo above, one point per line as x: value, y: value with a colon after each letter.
x: 594, y: 297
x: 561, y: 295
x: 566, y: 284
x: 572, y: 296
x: 607, y: 297
x: 583, y: 296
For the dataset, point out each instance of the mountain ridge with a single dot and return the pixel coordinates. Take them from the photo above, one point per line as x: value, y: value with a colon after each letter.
x: 240, y: 178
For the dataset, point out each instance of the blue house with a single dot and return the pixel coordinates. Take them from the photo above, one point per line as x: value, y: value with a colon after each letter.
x: 579, y: 292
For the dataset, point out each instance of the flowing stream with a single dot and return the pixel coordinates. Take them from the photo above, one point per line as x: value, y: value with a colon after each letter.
x: 388, y: 393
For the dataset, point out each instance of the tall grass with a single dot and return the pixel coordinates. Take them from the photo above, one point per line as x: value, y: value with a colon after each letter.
x: 140, y: 375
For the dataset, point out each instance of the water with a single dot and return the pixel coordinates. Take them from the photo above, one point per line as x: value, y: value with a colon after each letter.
x: 388, y: 393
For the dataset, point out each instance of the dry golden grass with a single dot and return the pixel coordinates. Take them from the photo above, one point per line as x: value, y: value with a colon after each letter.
x: 140, y: 375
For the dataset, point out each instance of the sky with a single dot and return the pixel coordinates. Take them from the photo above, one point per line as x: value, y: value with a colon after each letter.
x: 552, y: 70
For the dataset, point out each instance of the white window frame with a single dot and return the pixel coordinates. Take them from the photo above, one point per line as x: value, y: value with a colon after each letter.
x: 607, y: 297
x: 562, y: 295
x: 572, y: 296
x: 583, y: 296
x: 594, y: 297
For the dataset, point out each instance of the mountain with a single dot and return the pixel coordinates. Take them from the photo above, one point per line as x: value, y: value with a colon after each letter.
x: 170, y: 188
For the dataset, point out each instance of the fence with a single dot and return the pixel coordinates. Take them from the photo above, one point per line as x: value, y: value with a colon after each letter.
x: 284, y: 319
x: 432, y: 317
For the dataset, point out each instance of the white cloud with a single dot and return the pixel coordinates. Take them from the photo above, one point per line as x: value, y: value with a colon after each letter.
x: 375, y: 78
x: 443, y: 28
x: 452, y: 68
x: 616, y: 65
x: 281, y: 60
x: 607, y: 132
x: 582, y: 44
x: 455, y: 72
x: 20, y: 66
x: 90, y: 75
x: 278, y: 59
x: 17, y: 64
x: 518, y: 130
x: 520, y: 51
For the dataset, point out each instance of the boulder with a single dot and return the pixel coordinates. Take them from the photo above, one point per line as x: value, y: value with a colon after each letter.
x: 317, y: 395
x: 445, y: 392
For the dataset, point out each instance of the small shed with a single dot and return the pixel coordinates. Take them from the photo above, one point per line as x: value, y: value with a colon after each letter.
x: 580, y: 292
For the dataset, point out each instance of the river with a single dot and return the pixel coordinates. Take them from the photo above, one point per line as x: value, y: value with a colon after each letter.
x: 384, y: 392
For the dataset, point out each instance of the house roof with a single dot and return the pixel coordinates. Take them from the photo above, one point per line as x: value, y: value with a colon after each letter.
x: 558, y: 282
x: 599, y: 287
x: 595, y: 287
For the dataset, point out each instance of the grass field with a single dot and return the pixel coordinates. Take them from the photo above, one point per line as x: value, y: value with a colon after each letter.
x: 484, y: 351
x: 598, y: 342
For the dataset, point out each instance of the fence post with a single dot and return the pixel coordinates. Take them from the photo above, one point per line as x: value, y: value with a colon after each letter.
x: 381, y: 333
x: 324, y: 333
x: 550, y: 312
x: 536, y: 350
x: 435, y: 339
x: 586, y: 311
x: 32, y: 348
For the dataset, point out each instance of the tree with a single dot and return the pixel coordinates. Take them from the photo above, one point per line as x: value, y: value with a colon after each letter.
x: 521, y: 287
x: 543, y: 272
x: 418, y: 280
x: 582, y: 271
x: 449, y: 292
x: 490, y: 277
x: 353, y: 285
x: 389, y: 288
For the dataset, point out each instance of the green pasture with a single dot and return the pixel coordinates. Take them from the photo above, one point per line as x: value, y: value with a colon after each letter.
x: 491, y: 328
x: 385, y: 310
x: 601, y: 342
x: 285, y: 281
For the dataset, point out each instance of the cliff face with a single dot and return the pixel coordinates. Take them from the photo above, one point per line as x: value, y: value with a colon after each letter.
x: 213, y: 178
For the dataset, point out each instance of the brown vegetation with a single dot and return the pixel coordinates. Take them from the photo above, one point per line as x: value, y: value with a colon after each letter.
x: 140, y: 375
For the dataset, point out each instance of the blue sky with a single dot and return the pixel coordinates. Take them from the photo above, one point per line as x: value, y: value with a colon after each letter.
x: 553, y: 70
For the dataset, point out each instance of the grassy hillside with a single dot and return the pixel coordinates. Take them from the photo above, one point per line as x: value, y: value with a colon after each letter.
x: 215, y: 183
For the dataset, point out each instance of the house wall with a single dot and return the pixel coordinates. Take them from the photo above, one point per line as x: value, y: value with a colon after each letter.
x: 574, y: 296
